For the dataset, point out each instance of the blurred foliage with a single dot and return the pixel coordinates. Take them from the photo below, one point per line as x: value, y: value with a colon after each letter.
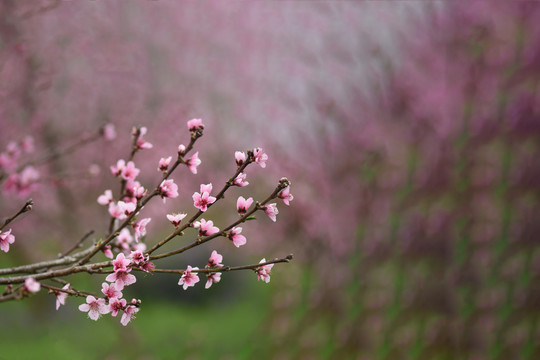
x: 173, y: 329
x: 414, y: 168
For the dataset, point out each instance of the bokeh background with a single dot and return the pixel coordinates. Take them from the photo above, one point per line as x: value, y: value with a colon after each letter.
x: 409, y: 130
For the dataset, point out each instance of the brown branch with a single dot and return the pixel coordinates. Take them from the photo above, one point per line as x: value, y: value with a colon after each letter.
x: 286, y: 259
x: 55, y: 273
x: 70, y: 291
x: 26, y: 207
x: 77, y: 244
x: 32, y: 268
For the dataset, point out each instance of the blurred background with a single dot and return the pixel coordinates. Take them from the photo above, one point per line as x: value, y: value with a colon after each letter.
x: 410, y: 133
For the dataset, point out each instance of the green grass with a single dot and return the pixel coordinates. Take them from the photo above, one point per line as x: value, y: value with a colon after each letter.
x: 162, y: 330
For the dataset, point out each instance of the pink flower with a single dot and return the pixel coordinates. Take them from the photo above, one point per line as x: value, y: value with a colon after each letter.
x: 124, y: 239
x: 285, y: 195
x: 189, y: 278
x: 116, y: 304
x: 168, y: 189
x: 121, y: 278
x: 110, y: 291
x: 139, y: 192
x: 242, y: 205
x: 240, y: 180
x: 134, y: 189
x: 271, y: 210
x: 130, y: 172
x: 129, y: 313
x: 109, y: 132
x: 140, y: 228
x: 215, y: 260
x: 6, y: 238
x: 175, y: 219
x: 30, y: 284
x: 164, y: 164
x: 206, y: 188
x: 120, y: 263
x: 181, y: 150
x: 121, y: 210
x: 137, y: 257
x: 107, y: 251
x: 205, y: 227
x: 260, y: 157
x: 106, y: 198
x: 211, y: 278
x: 147, y: 267
x: 203, y: 199
x: 237, y: 239
x: 141, y: 143
x: 116, y: 212
x: 139, y: 247
x: 193, y: 162
x: 94, y: 307
x: 195, y: 124
x: 117, y: 170
x: 263, y: 272
x: 127, y: 207
x: 240, y: 157
x: 61, y: 296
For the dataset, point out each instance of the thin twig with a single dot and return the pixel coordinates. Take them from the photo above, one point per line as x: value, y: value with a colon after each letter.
x: 76, y: 245
x: 26, y: 207
x: 258, y: 206
x: 225, y: 268
x: 199, y: 212
x: 69, y: 291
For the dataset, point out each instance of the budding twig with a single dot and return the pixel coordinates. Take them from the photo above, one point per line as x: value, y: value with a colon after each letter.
x: 199, y: 241
x: 26, y: 207
x: 143, y: 202
x: 77, y: 244
x: 286, y: 259
x: 220, y: 195
x: 120, y: 268
x: 69, y: 291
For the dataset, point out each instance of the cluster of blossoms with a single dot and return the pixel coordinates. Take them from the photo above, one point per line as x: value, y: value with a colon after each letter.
x: 126, y: 235
x: 112, y: 302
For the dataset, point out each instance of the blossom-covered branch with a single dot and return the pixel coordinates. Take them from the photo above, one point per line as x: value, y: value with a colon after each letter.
x: 126, y: 233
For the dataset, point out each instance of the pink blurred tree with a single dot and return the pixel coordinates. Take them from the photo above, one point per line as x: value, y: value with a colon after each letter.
x: 412, y: 151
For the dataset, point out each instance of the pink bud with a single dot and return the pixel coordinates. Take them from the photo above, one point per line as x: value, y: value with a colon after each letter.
x: 195, y: 124
x: 32, y: 285
x: 164, y: 164
x: 240, y: 157
x: 242, y: 205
